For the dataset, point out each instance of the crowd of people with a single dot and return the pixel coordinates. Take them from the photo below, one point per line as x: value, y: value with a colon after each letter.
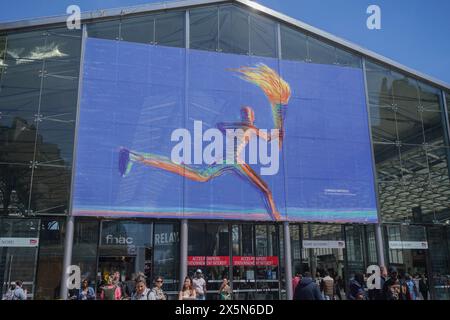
x: 393, y: 286
x: 137, y: 289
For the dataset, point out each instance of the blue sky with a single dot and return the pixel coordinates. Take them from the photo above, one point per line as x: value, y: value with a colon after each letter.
x: 415, y: 33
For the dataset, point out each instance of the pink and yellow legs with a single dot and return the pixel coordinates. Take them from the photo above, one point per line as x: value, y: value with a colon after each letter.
x: 128, y: 157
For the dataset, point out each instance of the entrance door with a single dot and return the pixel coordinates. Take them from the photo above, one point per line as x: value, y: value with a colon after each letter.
x: 323, y: 250
x: 408, y: 250
x: 125, y: 247
x: 19, y: 240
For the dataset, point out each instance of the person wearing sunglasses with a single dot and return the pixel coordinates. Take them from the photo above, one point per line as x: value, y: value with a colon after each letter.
x: 157, y: 292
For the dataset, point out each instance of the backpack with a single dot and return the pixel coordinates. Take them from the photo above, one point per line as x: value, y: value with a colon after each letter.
x: 109, y: 293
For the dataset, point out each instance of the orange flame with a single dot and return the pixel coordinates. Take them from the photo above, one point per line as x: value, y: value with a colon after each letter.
x: 274, y: 87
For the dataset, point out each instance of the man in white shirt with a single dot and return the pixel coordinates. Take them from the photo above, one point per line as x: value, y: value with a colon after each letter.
x: 199, y: 285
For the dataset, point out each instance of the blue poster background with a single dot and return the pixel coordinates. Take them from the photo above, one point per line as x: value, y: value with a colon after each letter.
x: 134, y: 96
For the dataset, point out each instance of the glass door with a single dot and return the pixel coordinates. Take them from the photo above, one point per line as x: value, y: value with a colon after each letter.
x: 243, y: 261
x: 19, y: 241
x: 125, y: 247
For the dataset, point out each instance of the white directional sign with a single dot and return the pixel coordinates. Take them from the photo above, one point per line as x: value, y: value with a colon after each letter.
x: 19, y: 242
x: 329, y: 244
x: 408, y: 245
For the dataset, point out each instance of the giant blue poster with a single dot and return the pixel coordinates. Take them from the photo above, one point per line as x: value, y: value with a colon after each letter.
x: 155, y: 137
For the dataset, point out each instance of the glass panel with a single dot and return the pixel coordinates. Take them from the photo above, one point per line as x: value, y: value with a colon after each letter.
x: 63, y: 44
x: 84, y: 252
x: 409, y: 145
x: 233, y: 30
x: 263, y: 39
x: 51, y: 189
x: 166, y: 256
x: 204, y: 28
x: 169, y: 29
x: 293, y: 44
x: 26, y: 47
x: 383, y: 123
x: 58, y: 113
x: 244, y: 285
x: 196, y: 239
x: 104, y: 30
x: 347, y: 59
x: 371, y: 244
x: 18, y: 263
x: 15, y: 183
x: 19, y: 102
x: 296, y: 254
x: 355, y: 253
x: 321, y: 52
x: 267, y: 268
x: 138, y: 29
x: 429, y: 105
x: 51, y: 250
x: 408, y: 117
x: 217, y: 245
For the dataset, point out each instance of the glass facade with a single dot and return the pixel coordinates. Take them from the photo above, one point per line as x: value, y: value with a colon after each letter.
x: 38, y: 102
x: 39, y: 76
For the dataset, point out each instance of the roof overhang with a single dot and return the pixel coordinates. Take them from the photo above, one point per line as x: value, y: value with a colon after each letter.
x: 184, y: 4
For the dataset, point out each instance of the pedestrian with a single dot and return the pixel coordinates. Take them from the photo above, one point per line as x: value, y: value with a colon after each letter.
x: 338, y: 286
x: 412, y: 288
x: 86, y: 292
x: 356, y: 288
x: 327, y: 286
x: 225, y: 292
x: 157, y: 292
x: 118, y: 283
x: 110, y: 291
x: 296, y: 280
x: 187, y: 292
x: 18, y: 293
x: 129, y: 286
x: 394, y: 288
x: 423, y: 287
x: 141, y: 292
x: 199, y: 284
x: 307, y: 289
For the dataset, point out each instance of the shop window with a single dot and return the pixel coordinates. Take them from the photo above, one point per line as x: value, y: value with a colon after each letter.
x: 18, y: 262
x: 204, y: 28
x: 166, y: 244
x: 51, y: 251
x: 84, y: 252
